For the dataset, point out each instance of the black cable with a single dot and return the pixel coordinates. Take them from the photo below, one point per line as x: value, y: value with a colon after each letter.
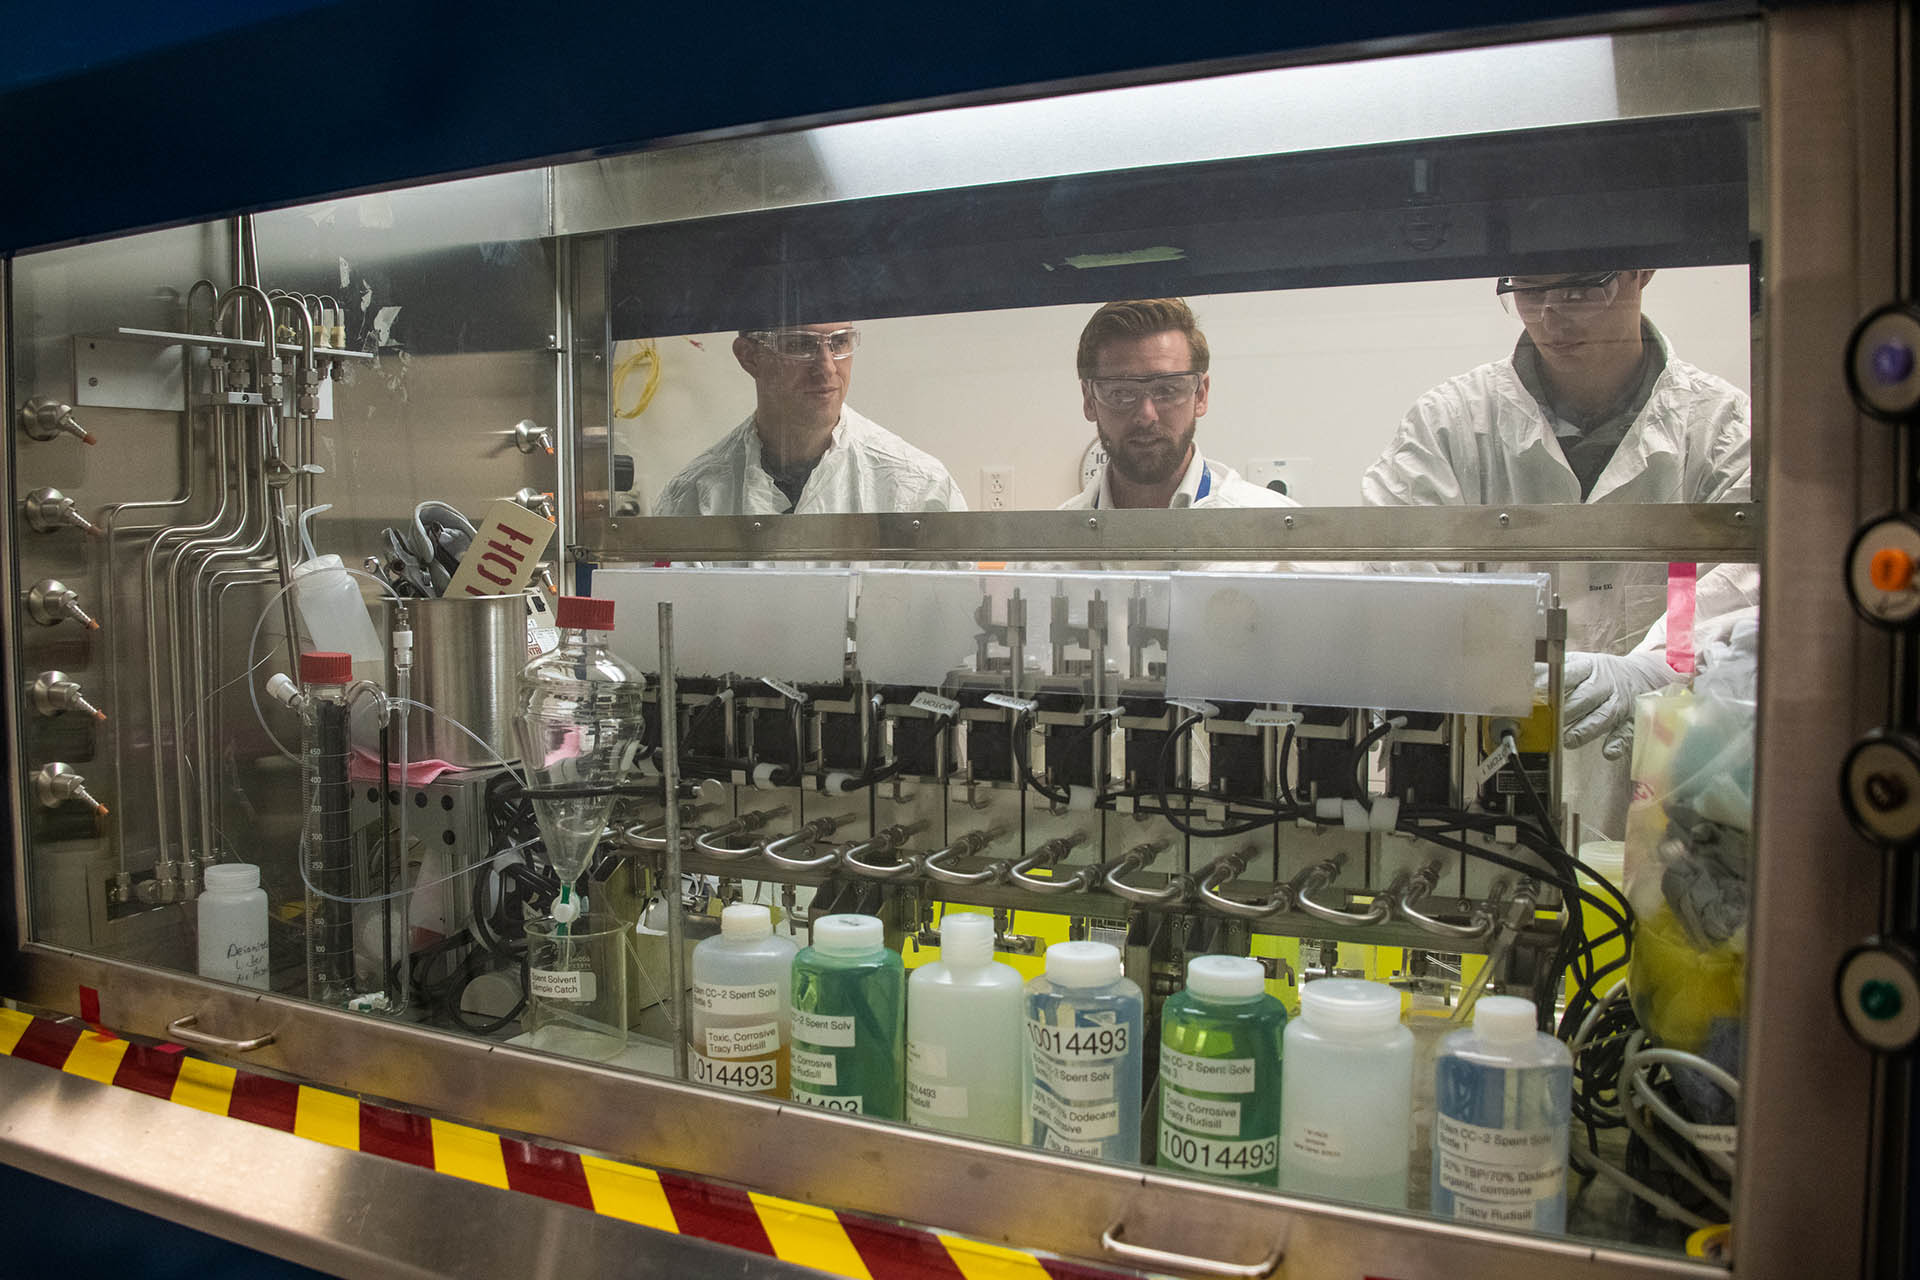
x: 1358, y: 766
x: 1022, y: 727
x: 1164, y: 791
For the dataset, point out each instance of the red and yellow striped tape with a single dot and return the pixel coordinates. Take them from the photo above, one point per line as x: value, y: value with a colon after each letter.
x: 840, y: 1243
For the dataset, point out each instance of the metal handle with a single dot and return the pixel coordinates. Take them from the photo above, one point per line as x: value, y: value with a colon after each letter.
x: 182, y: 1029
x: 1049, y: 855
x: 706, y: 842
x: 1110, y: 1241
x: 1422, y: 884
x: 971, y: 843
x: 1221, y: 872
x: 1316, y: 877
x: 819, y: 829
x: 1139, y: 858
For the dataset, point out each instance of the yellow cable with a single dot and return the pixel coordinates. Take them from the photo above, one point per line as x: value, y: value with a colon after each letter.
x: 644, y: 354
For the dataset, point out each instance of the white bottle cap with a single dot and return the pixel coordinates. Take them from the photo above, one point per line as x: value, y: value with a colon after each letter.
x: 746, y: 920
x: 231, y: 877
x: 966, y: 939
x: 1083, y: 964
x: 1226, y: 977
x: 1505, y: 1019
x: 1350, y: 1004
x: 848, y: 935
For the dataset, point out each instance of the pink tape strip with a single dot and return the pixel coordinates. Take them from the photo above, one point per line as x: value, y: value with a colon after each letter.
x: 1682, y: 580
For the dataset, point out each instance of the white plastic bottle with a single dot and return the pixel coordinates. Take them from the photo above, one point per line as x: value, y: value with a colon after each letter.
x: 1504, y: 1093
x: 740, y: 1008
x: 1083, y: 1054
x: 964, y: 1015
x: 233, y: 925
x: 1346, y: 1106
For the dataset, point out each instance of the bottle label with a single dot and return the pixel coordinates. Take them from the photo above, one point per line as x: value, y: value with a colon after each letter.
x: 1508, y: 1168
x: 1208, y: 1075
x: 819, y: 1029
x: 756, y: 1041
x: 722, y: 998
x: 742, y: 1077
x: 1079, y: 1044
x: 940, y: 1101
x: 815, y: 1068
x: 574, y: 985
x: 1199, y: 1115
x: 1310, y: 1143
x: 1212, y: 1155
x: 1067, y: 1146
x: 1083, y: 1123
x: 928, y: 1061
x: 851, y: 1104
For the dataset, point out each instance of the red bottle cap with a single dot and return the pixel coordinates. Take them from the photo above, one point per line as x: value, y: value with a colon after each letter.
x: 326, y: 668
x: 584, y: 613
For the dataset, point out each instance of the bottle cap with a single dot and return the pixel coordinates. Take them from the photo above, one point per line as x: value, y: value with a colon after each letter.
x: 1350, y: 1004
x: 966, y: 939
x: 231, y: 877
x: 584, y: 613
x: 1083, y: 964
x: 746, y: 920
x: 326, y: 668
x: 848, y: 935
x: 1504, y: 1019
x: 1226, y: 977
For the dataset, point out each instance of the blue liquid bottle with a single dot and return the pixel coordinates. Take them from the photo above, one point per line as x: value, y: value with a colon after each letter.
x: 1504, y: 1093
x: 1084, y: 1029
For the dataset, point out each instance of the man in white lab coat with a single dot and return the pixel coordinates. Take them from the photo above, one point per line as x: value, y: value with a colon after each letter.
x: 1592, y: 406
x: 1143, y: 384
x: 802, y: 450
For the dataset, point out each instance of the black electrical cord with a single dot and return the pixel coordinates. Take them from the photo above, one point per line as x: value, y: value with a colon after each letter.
x: 1358, y: 766
x: 1022, y: 727
x: 1164, y: 791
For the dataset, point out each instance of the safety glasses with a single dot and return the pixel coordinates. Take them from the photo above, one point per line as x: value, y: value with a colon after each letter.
x: 806, y: 344
x: 1166, y: 390
x: 1528, y: 295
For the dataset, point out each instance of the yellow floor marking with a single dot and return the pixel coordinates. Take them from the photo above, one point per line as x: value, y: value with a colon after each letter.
x: 978, y: 1260
x: 473, y: 1154
x: 809, y: 1236
x: 332, y: 1118
x: 13, y: 1025
x: 628, y: 1193
x: 95, y: 1057
x: 204, y: 1086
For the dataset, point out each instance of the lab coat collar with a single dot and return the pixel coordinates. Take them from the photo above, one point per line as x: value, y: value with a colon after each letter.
x: 1186, y: 495
x: 763, y: 496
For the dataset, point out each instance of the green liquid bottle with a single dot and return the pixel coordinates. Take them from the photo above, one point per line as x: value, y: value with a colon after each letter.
x: 1220, y: 1046
x: 849, y: 1020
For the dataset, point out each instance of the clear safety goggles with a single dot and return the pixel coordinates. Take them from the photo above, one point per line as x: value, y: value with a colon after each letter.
x: 1166, y: 390
x: 805, y: 344
x: 1527, y: 295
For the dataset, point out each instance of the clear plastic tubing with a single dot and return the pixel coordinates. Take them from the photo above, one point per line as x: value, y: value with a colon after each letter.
x: 1221, y: 1041
x: 849, y: 1016
x: 1504, y: 1093
x: 964, y: 1016
x: 1346, y: 1102
x: 326, y: 850
x: 1081, y: 1090
x: 232, y: 913
x: 740, y: 1024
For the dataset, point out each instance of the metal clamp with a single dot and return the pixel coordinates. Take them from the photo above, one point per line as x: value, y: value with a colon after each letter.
x: 182, y: 1029
x: 1321, y: 874
x: 1222, y: 871
x: 807, y: 835
x: 1139, y: 858
x: 708, y: 842
x: 886, y: 841
x: 934, y: 864
x: 1163, y: 1259
x: 1046, y: 856
x: 1420, y: 885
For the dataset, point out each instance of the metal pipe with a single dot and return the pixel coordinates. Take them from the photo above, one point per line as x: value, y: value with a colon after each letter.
x: 707, y: 842
x: 1177, y: 888
x: 806, y: 836
x: 1420, y: 885
x: 1222, y: 871
x: 676, y: 904
x: 886, y: 840
x: 1047, y: 855
x: 934, y: 864
x: 1321, y: 874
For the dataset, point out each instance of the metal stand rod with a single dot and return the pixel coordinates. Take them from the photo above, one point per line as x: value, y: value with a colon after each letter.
x: 670, y: 779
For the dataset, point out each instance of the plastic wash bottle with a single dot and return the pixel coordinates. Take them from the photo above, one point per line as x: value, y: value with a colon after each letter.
x: 1220, y: 1049
x: 741, y: 1008
x: 1504, y: 1094
x: 964, y: 1029
x: 1084, y: 1028
x: 849, y: 1015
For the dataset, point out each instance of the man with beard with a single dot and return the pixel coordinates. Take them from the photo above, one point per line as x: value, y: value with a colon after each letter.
x: 803, y: 450
x: 1143, y: 384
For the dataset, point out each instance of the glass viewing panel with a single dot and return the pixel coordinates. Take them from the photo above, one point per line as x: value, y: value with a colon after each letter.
x: 1064, y: 856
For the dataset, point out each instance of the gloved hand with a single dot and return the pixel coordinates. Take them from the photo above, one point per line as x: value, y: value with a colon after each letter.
x: 1598, y: 690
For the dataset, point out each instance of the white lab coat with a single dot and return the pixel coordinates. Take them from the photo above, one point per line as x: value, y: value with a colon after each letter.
x: 1482, y: 439
x: 1225, y: 488
x: 865, y: 469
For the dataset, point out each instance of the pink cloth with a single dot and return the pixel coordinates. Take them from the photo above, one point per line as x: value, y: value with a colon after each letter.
x: 1682, y: 580
x: 419, y: 773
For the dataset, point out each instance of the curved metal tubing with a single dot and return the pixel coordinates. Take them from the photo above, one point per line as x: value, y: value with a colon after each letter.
x: 1046, y: 856
x: 1222, y: 871
x: 1420, y: 885
x: 1177, y: 888
x: 808, y: 835
x: 707, y: 841
x: 934, y: 864
x: 1318, y: 876
x: 908, y: 865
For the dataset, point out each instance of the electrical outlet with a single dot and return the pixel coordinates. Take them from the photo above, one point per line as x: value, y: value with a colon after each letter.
x: 1293, y: 473
x: 996, y: 488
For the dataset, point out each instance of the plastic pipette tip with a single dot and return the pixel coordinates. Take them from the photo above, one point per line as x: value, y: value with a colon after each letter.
x: 99, y: 715
x: 100, y: 809
x: 87, y: 437
x: 92, y: 625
